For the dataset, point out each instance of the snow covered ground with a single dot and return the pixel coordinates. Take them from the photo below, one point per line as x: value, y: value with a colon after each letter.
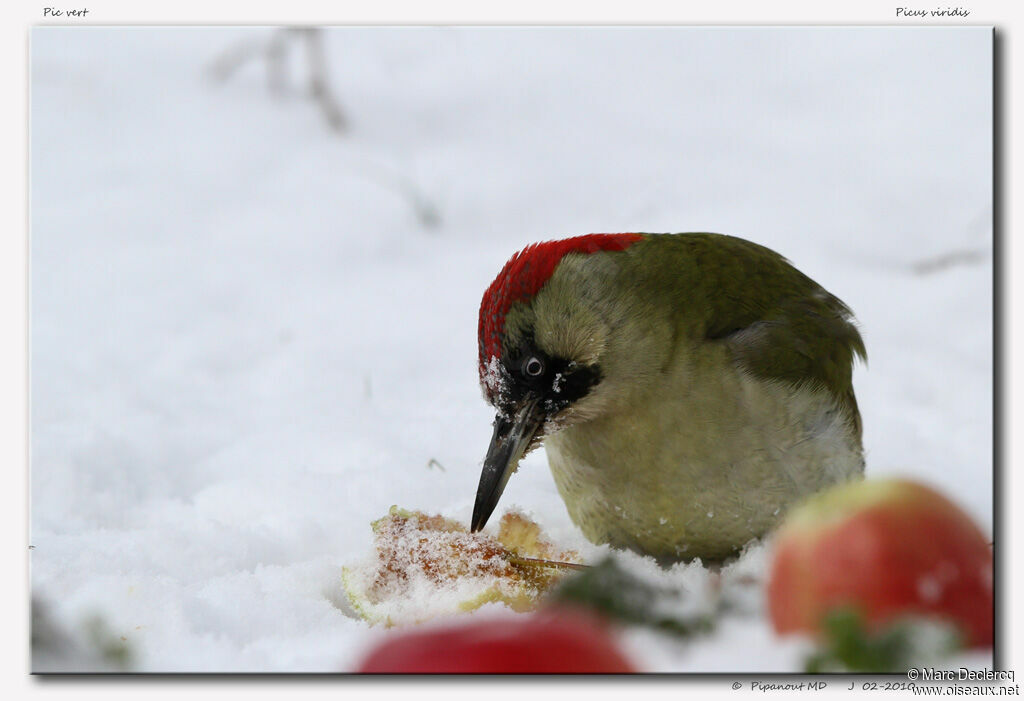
x: 247, y: 341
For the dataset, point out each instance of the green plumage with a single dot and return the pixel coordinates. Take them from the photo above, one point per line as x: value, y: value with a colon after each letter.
x: 778, y: 323
x: 726, y: 391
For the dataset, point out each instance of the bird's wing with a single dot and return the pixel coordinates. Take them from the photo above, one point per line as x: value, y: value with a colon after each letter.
x: 805, y: 339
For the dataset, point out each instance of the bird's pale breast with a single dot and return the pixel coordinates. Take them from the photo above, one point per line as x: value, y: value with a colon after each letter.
x: 699, y: 467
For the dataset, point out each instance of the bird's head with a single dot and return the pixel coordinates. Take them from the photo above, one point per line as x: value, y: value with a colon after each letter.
x: 546, y: 338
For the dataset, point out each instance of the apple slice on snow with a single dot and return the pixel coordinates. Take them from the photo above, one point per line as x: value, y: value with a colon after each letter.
x: 426, y: 566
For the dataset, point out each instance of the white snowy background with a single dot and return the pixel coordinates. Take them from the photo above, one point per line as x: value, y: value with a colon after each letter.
x: 247, y: 341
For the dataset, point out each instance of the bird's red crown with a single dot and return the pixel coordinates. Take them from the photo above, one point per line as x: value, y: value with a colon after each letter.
x: 523, y: 276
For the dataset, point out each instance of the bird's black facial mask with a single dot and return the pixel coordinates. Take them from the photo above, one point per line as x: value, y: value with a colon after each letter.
x: 534, y: 389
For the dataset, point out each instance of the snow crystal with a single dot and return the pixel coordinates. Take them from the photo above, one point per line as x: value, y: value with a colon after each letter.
x: 495, y: 378
x: 929, y: 589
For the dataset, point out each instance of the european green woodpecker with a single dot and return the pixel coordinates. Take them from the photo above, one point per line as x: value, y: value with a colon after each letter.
x: 687, y: 387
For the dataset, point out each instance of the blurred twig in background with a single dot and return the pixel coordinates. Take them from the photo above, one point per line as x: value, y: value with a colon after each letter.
x: 978, y: 241
x: 275, y: 52
x: 426, y: 211
x: 941, y: 262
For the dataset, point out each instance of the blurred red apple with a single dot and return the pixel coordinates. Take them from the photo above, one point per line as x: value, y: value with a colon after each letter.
x: 549, y: 643
x: 888, y: 548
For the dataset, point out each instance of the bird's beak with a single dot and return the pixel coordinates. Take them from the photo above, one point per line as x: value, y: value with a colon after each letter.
x: 508, y: 445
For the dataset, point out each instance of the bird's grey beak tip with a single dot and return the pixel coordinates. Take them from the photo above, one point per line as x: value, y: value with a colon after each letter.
x: 508, y: 444
x: 478, y: 522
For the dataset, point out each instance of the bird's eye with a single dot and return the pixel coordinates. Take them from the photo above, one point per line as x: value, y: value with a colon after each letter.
x: 533, y: 367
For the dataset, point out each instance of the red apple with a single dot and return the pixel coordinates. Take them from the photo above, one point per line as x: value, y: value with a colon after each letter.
x: 548, y: 643
x: 889, y: 548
